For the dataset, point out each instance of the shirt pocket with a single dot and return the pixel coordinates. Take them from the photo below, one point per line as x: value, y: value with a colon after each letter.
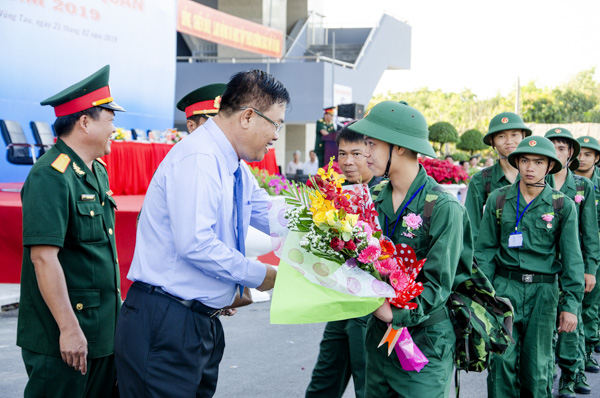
x: 89, y: 221
x: 85, y: 304
x: 543, y: 233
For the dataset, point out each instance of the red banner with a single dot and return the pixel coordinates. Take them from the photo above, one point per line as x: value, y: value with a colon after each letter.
x: 209, y: 24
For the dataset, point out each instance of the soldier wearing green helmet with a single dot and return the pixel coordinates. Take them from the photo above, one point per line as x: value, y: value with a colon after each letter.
x: 524, y: 227
x: 571, y: 351
x: 395, y: 134
x: 589, y: 157
x: 505, y: 132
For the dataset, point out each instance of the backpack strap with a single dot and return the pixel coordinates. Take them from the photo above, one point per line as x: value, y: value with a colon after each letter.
x: 486, y: 176
x: 430, y: 200
x: 376, y: 190
x: 579, y: 184
x: 500, y: 202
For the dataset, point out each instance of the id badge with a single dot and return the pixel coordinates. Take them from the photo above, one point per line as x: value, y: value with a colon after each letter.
x: 515, y: 240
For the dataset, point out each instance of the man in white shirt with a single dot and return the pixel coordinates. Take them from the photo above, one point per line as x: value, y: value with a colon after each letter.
x: 189, y: 263
x: 312, y: 166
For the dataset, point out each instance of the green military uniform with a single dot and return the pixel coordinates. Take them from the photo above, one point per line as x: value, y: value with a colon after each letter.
x: 491, y: 178
x: 527, y: 276
x: 319, y: 145
x: 444, y: 239
x: 570, y: 346
x: 341, y: 355
x: 591, y: 301
x: 67, y: 205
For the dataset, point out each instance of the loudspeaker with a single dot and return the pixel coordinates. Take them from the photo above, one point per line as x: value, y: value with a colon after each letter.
x: 352, y: 111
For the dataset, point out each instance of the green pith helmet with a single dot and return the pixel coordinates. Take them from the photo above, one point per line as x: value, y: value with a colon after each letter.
x: 589, y: 142
x: 565, y: 134
x: 505, y: 121
x: 397, y: 123
x: 536, y: 146
x: 88, y: 93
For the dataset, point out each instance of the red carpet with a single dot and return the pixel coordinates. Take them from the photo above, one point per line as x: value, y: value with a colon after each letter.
x: 11, y: 234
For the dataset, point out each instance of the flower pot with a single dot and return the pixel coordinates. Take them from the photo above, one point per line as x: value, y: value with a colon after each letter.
x: 458, y: 190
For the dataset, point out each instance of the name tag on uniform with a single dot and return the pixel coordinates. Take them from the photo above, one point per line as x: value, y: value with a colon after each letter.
x: 515, y: 240
x: 88, y: 197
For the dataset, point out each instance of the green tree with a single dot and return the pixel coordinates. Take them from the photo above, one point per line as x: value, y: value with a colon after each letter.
x: 471, y: 141
x: 442, y: 132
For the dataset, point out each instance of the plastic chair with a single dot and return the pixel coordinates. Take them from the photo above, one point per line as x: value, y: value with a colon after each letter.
x: 44, y: 136
x: 18, y: 150
x: 139, y: 134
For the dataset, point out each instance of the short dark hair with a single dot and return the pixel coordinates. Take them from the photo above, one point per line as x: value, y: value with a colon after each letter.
x: 197, y: 118
x: 64, y: 124
x: 565, y: 141
x: 254, y: 88
x: 348, y: 135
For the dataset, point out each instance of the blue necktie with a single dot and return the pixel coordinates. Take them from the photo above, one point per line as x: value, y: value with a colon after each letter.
x: 239, y: 206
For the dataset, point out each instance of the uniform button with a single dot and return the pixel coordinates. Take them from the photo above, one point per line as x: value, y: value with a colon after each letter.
x: 92, y: 213
x: 110, y: 232
x: 79, y: 306
x: 102, y: 203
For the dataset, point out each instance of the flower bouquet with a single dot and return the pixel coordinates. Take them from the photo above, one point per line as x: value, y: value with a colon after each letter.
x: 121, y: 134
x: 172, y: 136
x: 334, y: 259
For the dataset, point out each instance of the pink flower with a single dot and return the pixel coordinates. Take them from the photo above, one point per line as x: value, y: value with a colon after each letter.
x: 385, y: 267
x: 579, y: 198
x: 399, y: 280
x: 412, y: 221
x: 369, y: 254
x: 548, y: 217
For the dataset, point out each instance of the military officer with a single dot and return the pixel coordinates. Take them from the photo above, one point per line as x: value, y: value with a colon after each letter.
x: 570, y: 347
x: 325, y: 126
x: 201, y: 104
x: 589, y: 157
x: 524, y: 227
x: 342, y: 350
x: 505, y: 132
x: 70, y: 275
x: 395, y: 134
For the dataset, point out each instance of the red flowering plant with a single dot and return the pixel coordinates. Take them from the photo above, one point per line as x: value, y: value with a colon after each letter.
x: 444, y: 172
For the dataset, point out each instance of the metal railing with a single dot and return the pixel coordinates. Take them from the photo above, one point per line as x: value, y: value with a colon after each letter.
x: 234, y: 60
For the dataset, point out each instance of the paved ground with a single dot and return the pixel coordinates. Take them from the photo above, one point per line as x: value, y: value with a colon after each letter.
x: 261, y: 360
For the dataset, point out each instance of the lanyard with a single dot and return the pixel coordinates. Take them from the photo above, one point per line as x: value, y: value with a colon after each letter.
x: 400, y: 215
x: 519, y: 217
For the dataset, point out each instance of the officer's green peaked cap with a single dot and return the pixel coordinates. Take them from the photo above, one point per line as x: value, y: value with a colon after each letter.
x: 563, y: 133
x: 88, y: 93
x: 397, y: 123
x: 203, y: 101
x: 536, y: 146
x: 505, y: 121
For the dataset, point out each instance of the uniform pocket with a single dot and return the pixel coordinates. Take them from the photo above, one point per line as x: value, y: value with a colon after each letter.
x: 89, y: 221
x: 542, y: 235
x: 85, y: 304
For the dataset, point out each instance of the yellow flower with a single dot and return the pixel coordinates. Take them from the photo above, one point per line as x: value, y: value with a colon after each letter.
x: 332, y: 217
x: 316, y: 202
x: 345, y: 226
x: 319, y: 218
x: 352, y: 219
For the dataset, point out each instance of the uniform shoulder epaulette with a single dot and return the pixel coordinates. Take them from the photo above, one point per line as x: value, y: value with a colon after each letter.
x: 61, y: 162
x: 322, y: 120
x: 102, y: 162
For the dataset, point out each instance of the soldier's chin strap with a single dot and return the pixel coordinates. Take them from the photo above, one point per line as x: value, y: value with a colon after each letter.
x: 569, y: 158
x: 386, y: 174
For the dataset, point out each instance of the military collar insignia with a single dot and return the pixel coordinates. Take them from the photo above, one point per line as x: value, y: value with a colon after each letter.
x: 78, y: 170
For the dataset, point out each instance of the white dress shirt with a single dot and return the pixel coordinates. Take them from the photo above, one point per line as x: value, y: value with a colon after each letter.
x: 186, y: 236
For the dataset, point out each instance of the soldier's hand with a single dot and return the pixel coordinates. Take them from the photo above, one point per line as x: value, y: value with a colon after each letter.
x: 590, y: 282
x: 567, y: 322
x: 384, y: 312
x: 73, y: 348
x: 269, y: 280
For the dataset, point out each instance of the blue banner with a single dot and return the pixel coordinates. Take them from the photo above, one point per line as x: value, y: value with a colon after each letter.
x: 48, y: 45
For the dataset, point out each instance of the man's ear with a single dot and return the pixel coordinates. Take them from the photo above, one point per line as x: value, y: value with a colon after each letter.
x: 191, y: 126
x: 83, y: 122
x: 245, y: 117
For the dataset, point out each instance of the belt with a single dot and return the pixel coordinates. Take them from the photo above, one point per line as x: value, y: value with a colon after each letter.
x: 526, y: 278
x: 434, y: 318
x: 193, y: 305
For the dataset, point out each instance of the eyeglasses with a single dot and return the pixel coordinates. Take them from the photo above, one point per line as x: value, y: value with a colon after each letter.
x: 277, y: 125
